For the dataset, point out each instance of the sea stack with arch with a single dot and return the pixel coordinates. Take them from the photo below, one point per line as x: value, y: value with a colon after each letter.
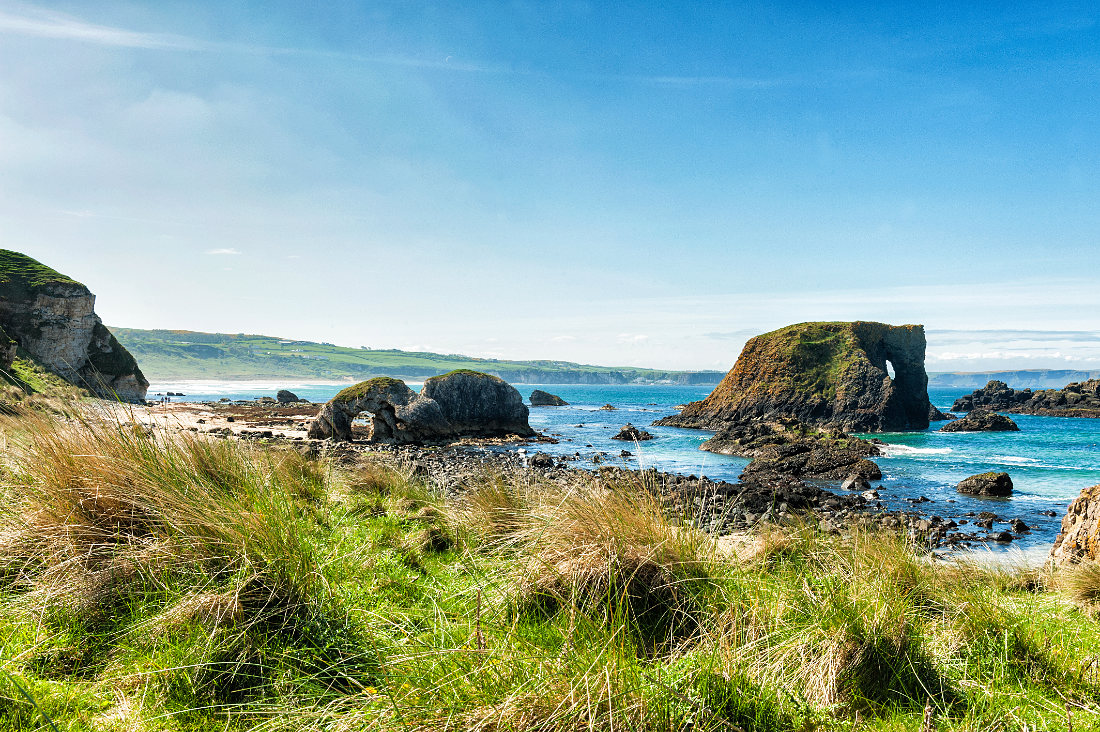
x: 458, y: 404
x: 825, y: 374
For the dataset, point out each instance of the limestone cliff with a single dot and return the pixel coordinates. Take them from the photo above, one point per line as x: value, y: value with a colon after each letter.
x: 52, y: 319
x: 823, y: 374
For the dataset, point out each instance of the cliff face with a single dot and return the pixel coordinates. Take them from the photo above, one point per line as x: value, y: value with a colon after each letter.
x: 52, y: 318
x: 823, y: 373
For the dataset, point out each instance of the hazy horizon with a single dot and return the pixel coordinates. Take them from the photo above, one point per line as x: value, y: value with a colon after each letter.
x: 643, y: 185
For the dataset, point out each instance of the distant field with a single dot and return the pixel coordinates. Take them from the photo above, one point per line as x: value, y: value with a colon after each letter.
x: 183, y: 354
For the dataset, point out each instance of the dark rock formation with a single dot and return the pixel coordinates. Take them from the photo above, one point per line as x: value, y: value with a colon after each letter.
x: 287, y: 397
x: 996, y: 396
x: 540, y: 398
x: 935, y: 415
x: 459, y: 404
x: 1079, y: 399
x: 986, y: 484
x: 1079, y: 539
x: 630, y: 432
x: 790, y: 448
x: 823, y: 374
x: 981, y: 420
x: 52, y: 318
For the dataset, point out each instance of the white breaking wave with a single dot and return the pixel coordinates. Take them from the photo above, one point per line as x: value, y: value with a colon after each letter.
x: 1014, y: 459
x: 898, y: 450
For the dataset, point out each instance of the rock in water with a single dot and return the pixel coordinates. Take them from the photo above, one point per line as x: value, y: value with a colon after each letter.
x: 287, y: 397
x: 52, y: 318
x: 458, y: 404
x: 632, y: 433
x: 981, y: 420
x: 791, y: 449
x: 823, y: 374
x: 1079, y: 539
x: 998, y: 485
x: 1079, y: 399
x: 996, y: 395
x: 540, y: 398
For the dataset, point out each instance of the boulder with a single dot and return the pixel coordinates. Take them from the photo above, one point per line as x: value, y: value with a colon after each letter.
x: 823, y: 374
x: 935, y: 415
x: 991, y: 484
x: 1079, y: 539
x: 458, y: 404
x: 287, y: 397
x: 981, y: 420
x: 52, y: 318
x: 540, y: 398
x: 630, y: 432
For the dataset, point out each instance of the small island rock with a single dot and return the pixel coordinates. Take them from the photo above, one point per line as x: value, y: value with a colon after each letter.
x: 981, y: 420
x: 630, y: 432
x: 540, y: 398
x: 993, y: 484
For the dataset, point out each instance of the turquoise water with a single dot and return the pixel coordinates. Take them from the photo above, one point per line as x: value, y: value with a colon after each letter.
x: 1050, y: 460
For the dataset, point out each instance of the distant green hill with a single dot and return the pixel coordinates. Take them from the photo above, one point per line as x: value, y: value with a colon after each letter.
x: 184, y: 354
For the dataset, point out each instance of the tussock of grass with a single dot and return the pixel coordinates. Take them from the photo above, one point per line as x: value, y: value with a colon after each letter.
x: 156, y: 580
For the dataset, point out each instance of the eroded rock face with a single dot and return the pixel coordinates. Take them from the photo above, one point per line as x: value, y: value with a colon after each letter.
x: 993, y: 484
x: 823, y: 374
x: 459, y: 404
x: 283, y: 396
x: 1079, y: 539
x: 52, y: 317
x: 540, y: 398
x: 981, y: 420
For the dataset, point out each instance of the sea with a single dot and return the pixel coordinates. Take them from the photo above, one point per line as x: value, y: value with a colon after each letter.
x: 1050, y: 460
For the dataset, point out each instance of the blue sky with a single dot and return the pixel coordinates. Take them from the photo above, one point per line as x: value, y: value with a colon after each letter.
x: 636, y: 184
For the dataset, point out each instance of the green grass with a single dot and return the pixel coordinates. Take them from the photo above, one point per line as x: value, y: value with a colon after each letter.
x: 177, y: 354
x: 165, y: 581
x: 20, y: 272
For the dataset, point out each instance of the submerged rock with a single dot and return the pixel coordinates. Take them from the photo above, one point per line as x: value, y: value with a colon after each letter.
x: 458, y: 404
x: 824, y: 374
x: 52, y: 318
x: 981, y: 420
x: 992, y: 484
x: 540, y: 398
x: 1079, y: 539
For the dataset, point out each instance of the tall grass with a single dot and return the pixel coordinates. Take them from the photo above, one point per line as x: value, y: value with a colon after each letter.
x: 166, y: 580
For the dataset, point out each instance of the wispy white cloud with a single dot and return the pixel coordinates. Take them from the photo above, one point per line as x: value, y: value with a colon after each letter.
x: 49, y: 24
x: 229, y: 251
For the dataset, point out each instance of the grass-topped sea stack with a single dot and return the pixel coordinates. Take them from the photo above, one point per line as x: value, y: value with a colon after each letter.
x: 823, y: 374
x: 458, y: 404
x: 52, y: 319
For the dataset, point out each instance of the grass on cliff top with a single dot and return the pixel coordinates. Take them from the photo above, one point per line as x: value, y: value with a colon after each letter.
x: 20, y: 270
x: 168, y: 581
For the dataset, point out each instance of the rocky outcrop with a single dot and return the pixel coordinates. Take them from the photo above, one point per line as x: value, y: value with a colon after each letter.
x: 1079, y: 539
x: 791, y: 449
x: 998, y: 485
x: 996, y: 396
x: 829, y: 374
x: 540, y: 398
x: 632, y: 433
x: 455, y: 405
x: 52, y: 318
x: 935, y: 415
x: 1079, y: 399
x: 287, y: 397
x: 982, y: 420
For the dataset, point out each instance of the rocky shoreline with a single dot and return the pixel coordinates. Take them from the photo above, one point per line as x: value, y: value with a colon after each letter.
x: 718, y: 507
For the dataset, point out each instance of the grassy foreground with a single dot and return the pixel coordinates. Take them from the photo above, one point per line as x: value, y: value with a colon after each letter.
x: 174, y: 582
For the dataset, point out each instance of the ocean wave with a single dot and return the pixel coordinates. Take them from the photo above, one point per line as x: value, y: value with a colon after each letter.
x: 1013, y: 459
x: 890, y: 450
